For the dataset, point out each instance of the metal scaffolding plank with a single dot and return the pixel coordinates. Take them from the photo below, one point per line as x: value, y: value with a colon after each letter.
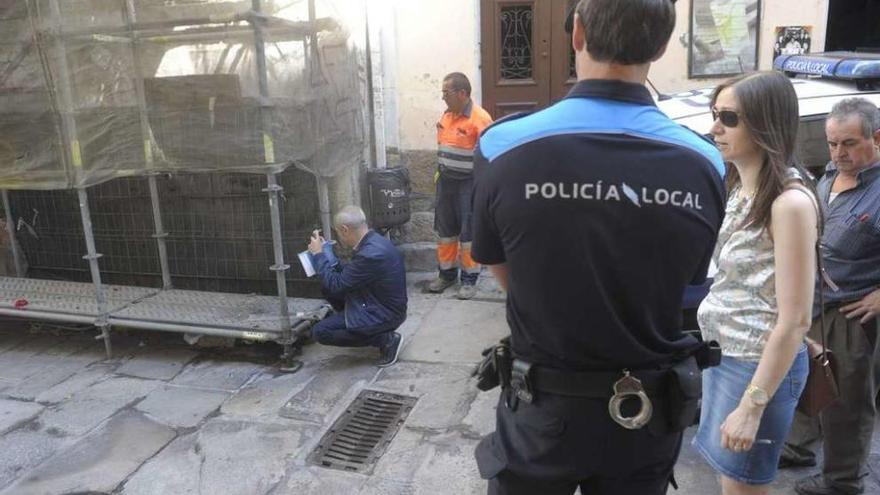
x: 247, y: 312
x: 56, y: 296
x: 216, y: 313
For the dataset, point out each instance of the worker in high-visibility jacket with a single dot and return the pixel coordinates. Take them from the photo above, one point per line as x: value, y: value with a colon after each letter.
x: 457, y: 134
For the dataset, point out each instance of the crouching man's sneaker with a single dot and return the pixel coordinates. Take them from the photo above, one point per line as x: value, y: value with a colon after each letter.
x: 388, y: 354
x: 815, y: 485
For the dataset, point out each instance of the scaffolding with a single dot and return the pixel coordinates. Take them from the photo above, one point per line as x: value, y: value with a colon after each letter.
x: 120, y: 78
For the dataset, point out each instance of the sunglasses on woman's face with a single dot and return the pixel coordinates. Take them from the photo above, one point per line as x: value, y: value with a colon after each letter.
x: 728, y: 118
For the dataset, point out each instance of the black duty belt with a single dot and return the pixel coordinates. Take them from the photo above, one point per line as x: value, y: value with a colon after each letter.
x: 592, y: 384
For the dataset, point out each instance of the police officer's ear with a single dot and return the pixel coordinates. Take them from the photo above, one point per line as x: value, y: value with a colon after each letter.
x: 578, y: 36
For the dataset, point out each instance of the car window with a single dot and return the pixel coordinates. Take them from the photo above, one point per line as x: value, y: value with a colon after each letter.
x: 812, y: 147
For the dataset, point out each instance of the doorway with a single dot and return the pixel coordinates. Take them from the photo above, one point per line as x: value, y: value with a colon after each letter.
x: 527, y: 59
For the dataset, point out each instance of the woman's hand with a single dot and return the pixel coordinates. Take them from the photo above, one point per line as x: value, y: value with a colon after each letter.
x: 739, y: 429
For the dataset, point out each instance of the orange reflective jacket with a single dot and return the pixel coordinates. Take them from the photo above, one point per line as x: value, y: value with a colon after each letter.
x: 457, y: 136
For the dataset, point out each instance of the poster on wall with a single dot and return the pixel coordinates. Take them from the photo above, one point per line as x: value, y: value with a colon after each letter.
x: 724, y: 37
x: 792, y: 40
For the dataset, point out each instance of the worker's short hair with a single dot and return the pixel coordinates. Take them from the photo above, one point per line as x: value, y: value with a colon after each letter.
x: 867, y: 113
x: 626, y: 32
x: 459, y: 82
x: 350, y: 216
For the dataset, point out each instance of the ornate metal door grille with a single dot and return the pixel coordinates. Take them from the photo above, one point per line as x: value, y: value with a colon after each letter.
x: 516, y: 42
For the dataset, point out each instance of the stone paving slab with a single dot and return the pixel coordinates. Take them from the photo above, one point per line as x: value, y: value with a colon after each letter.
x: 266, y: 394
x: 223, y: 457
x: 31, y: 345
x: 480, y: 419
x: 13, y: 413
x: 100, y: 461
x: 89, y: 407
x: 424, y: 464
x: 226, y: 375
x: 23, y: 362
x: 65, y: 389
x: 445, y: 392
x: 25, y: 448
x: 335, y: 380
x: 181, y: 406
x: 310, y: 479
x: 157, y: 363
x: 11, y: 340
x: 6, y: 384
x: 52, y: 373
x: 457, y: 331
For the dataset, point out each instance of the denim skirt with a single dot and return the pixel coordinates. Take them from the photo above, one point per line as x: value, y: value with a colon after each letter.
x: 723, y: 388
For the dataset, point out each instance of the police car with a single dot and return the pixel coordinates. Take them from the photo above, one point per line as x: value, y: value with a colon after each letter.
x: 820, y: 80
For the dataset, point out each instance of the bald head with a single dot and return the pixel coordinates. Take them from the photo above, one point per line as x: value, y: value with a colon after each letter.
x: 351, y: 225
x: 350, y: 216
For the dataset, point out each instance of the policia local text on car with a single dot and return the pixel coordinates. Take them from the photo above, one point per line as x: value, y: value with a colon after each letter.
x: 599, y: 380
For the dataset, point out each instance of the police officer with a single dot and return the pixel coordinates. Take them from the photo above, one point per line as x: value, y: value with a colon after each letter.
x: 594, y: 215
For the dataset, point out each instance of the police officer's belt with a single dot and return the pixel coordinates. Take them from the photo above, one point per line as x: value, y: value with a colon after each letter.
x: 592, y: 384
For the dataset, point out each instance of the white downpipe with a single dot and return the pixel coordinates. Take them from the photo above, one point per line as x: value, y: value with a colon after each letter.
x: 374, y: 25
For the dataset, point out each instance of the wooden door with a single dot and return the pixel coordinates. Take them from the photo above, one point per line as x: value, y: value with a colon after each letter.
x: 527, y: 62
x: 562, y: 75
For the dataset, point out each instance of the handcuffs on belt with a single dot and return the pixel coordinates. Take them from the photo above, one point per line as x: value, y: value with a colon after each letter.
x: 626, y: 387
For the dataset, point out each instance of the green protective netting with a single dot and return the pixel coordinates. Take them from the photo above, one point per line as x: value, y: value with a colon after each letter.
x: 91, y: 90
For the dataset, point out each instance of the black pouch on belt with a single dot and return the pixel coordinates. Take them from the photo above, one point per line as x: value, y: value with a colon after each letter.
x: 494, y: 369
x: 685, y: 388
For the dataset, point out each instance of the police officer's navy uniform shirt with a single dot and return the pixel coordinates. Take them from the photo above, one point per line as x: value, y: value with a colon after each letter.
x: 604, y: 211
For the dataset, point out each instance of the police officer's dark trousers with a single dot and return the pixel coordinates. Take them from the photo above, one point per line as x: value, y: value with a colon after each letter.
x: 558, y: 443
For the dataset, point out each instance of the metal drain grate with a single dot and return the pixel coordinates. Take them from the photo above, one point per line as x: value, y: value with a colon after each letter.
x: 361, y: 434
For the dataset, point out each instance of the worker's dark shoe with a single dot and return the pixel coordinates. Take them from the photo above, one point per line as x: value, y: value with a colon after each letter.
x: 440, y: 284
x: 388, y: 353
x: 815, y: 485
x: 788, y: 461
x: 467, y: 291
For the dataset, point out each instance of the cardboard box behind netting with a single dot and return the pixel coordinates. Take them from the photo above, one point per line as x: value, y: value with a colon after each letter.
x: 91, y: 90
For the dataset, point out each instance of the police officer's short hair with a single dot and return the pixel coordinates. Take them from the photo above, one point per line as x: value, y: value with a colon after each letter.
x: 350, y: 216
x: 627, y: 32
x: 459, y: 82
x: 867, y: 112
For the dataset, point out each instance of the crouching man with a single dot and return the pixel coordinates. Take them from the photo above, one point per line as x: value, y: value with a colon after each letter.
x: 368, y: 293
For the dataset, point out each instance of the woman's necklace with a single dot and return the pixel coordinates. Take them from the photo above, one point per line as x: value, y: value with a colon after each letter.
x: 741, y: 195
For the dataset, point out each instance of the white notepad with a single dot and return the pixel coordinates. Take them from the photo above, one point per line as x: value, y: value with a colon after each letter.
x: 306, y: 262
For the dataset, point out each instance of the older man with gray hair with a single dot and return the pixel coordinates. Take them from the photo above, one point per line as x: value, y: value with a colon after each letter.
x: 368, y: 293
x: 849, y: 193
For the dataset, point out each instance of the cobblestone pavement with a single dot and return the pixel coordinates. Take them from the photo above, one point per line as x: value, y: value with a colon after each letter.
x: 164, y: 417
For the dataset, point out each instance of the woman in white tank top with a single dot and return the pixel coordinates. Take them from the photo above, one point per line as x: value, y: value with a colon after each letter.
x: 759, y: 305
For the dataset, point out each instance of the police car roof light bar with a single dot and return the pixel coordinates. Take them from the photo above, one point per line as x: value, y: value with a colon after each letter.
x: 861, y: 67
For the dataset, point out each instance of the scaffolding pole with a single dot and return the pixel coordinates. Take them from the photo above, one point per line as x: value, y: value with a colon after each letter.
x: 92, y: 257
x: 159, y: 234
x: 272, y: 187
x: 10, y: 231
x: 73, y: 155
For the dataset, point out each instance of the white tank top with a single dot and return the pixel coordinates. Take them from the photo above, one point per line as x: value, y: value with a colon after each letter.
x: 740, y: 309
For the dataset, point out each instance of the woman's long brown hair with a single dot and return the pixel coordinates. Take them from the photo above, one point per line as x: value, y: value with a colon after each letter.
x: 768, y: 107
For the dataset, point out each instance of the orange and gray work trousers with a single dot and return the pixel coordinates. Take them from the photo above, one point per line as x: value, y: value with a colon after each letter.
x: 452, y: 221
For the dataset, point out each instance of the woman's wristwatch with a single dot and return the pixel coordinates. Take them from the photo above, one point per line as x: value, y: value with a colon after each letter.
x: 757, y: 395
